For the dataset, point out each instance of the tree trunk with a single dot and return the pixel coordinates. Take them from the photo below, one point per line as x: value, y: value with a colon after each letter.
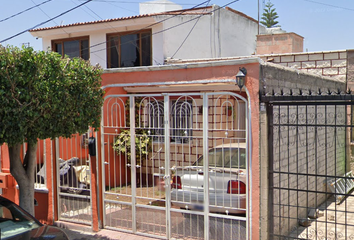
x: 24, y: 173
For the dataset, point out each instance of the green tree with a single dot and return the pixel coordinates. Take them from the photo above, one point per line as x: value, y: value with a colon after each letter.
x: 269, y: 16
x: 43, y: 96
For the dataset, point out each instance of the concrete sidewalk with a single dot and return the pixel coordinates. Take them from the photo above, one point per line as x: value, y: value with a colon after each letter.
x: 83, y: 232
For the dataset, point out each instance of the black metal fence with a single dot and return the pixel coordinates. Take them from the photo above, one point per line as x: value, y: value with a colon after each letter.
x: 310, y: 167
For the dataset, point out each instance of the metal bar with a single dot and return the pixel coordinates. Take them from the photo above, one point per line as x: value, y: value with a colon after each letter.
x: 308, y: 99
x: 279, y: 175
x: 206, y: 166
x: 74, y: 195
x: 167, y: 165
x: 288, y: 156
x: 269, y: 108
x: 248, y: 136
x: 313, y: 175
x: 133, y: 160
x: 58, y: 176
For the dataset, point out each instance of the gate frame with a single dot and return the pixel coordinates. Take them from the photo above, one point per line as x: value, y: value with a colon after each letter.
x: 267, y: 102
x: 205, y: 95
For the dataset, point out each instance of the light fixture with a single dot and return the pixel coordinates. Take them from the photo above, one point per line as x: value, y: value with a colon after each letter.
x: 240, y: 77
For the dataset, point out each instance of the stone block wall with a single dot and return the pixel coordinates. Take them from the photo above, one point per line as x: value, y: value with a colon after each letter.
x: 277, y: 79
x: 330, y: 64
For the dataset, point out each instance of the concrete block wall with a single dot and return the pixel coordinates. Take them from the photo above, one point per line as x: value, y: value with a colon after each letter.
x: 276, y: 78
x: 330, y: 63
x: 301, y: 147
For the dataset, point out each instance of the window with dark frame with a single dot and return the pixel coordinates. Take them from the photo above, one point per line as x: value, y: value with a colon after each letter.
x: 181, y: 121
x: 73, y: 47
x: 129, y: 49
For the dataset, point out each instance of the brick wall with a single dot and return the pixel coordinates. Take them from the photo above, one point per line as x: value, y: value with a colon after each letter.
x: 279, y: 43
x: 329, y: 64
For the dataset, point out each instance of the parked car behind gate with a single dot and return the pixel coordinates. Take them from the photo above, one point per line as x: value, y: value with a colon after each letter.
x: 16, y: 224
x: 227, y: 181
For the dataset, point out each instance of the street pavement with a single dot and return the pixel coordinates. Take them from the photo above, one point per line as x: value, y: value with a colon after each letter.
x: 85, y: 233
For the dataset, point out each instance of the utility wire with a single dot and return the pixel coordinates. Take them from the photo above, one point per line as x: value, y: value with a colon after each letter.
x: 216, y: 9
x: 26, y: 10
x: 40, y: 24
x: 151, y: 25
x: 138, y: 2
x: 136, y: 31
x: 330, y: 5
x: 190, y: 31
x: 43, y: 11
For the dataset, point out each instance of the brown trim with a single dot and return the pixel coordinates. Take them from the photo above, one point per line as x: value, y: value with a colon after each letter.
x: 109, y: 46
x: 62, y: 40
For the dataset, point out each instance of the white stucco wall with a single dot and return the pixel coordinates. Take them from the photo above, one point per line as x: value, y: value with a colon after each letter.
x: 220, y: 34
x: 98, y: 50
x: 157, y: 45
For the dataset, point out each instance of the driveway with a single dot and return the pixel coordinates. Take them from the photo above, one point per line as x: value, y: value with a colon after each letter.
x: 337, y: 222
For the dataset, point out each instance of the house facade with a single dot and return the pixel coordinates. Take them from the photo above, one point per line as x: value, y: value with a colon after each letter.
x: 151, y: 38
x: 177, y: 90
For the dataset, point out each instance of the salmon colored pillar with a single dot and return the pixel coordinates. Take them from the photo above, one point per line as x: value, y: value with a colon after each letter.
x: 252, y: 84
x: 50, y: 161
x: 8, y: 184
x: 94, y: 181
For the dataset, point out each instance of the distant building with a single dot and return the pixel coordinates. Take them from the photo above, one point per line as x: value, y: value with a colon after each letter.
x: 276, y: 41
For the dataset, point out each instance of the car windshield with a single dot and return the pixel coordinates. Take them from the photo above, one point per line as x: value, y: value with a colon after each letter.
x: 14, y: 221
x: 225, y: 158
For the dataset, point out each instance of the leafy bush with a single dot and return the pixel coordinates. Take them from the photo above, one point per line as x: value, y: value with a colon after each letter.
x: 143, y: 141
x: 142, y: 145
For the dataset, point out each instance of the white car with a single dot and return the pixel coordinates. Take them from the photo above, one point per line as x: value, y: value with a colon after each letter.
x: 227, y: 181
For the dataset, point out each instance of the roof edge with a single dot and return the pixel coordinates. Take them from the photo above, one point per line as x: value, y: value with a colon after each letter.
x: 215, y: 63
x: 176, y: 12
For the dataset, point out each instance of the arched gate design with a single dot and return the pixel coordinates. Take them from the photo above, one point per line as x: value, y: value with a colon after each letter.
x: 162, y: 153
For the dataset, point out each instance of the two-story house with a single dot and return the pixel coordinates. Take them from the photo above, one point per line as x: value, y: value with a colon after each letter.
x: 156, y: 35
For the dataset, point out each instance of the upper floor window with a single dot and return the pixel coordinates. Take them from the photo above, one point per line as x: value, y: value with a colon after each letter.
x: 73, y: 47
x: 129, y: 49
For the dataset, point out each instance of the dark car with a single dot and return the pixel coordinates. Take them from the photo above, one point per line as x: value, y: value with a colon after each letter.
x: 16, y: 224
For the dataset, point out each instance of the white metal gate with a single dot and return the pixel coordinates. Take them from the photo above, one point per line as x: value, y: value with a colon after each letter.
x: 73, y: 179
x: 158, y: 188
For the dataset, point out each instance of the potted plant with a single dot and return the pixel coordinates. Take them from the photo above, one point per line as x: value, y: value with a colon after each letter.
x: 229, y: 110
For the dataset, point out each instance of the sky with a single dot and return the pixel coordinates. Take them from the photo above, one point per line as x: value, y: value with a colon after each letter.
x: 325, y: 24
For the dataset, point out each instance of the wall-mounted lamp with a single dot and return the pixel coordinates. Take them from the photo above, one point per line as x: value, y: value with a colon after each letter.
x: 241, y: 77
